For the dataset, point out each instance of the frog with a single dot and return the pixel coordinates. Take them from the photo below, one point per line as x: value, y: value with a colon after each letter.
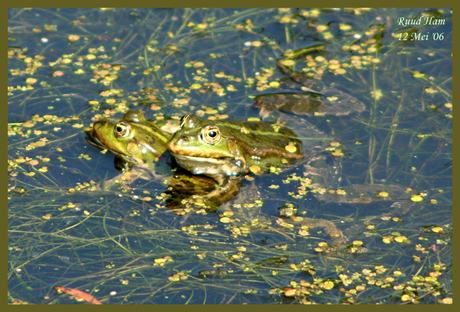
x: 132, y: 138
x: 225, y: 149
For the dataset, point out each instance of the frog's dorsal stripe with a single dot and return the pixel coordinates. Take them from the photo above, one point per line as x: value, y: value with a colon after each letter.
x: 151, y: 127
x: 259, y: 128
x: 253, y: 130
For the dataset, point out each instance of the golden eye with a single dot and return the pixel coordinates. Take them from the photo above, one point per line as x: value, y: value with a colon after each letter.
x: 121, y: 130
x: 210, y: 134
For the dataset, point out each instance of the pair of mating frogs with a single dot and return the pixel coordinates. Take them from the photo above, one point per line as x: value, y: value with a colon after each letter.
x: 217, y: 154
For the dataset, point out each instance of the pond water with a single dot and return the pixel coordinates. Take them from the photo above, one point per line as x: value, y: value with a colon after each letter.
x: 68, y: 68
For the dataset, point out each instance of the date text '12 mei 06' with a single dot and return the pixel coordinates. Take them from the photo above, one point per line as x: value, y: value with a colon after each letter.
x: 417, y: 36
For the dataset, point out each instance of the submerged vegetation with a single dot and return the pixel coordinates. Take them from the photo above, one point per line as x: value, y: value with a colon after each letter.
x: 76, y: 227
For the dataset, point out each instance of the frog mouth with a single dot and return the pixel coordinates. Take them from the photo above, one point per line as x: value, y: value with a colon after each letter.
x: 193, y: 152
x: 212, y: 166
x: 198, y: 159
x: 95, y: 140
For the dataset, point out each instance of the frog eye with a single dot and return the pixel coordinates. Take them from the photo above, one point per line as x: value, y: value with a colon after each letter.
x: 121, y: 130
x: 210, y: 134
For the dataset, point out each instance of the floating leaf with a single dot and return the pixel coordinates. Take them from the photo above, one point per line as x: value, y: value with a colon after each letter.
x: 78, y: 294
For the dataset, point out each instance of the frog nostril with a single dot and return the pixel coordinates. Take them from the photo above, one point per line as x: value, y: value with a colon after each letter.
x: 184, y: 138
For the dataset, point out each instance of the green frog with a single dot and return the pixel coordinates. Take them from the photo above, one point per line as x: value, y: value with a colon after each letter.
x: 132, y: 138
x: 225, y: 149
